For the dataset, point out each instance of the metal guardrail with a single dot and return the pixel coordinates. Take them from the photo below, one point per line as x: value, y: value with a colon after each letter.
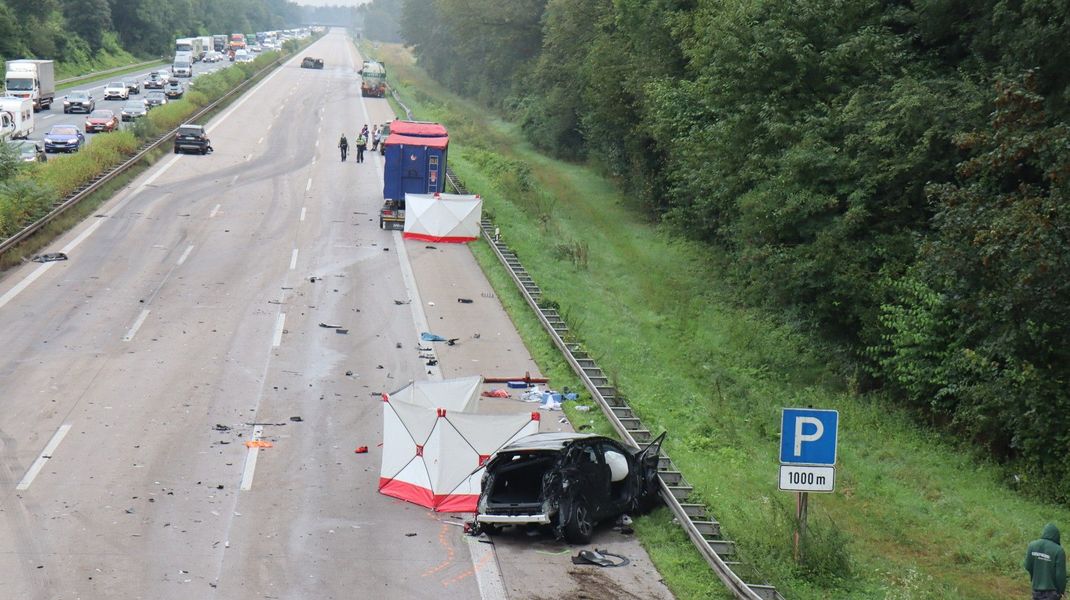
x: 60, y: 82
x: 100, y: 180
x: 702, y: 529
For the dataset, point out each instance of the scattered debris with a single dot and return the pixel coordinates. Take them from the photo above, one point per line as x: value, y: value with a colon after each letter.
x: 296, y: 419
x: 257, y: 444
x: 432, y: 362
x: 314, y: 279
x: 431, y: 247
x: 220, y: 427
x: 341, y: 331
x: 361, y: 450
x: 465, y: 300
x: 601, y: 558
x: 349, y: 373
x: 427, y: 336
x: 527, y: 380
x: 583, y: 408
x: 379, y: 366
x: 410, y: 535
x: 326, y: 326
x: 496, y: 394
x: 400, y: 302
x: 398, y: 345
x: 50, y: 257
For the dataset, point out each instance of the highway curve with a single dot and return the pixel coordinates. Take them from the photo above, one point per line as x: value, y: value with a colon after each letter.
x: 187, y: 323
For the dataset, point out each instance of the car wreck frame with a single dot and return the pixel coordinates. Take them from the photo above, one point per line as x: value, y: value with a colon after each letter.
x: 567, y: 481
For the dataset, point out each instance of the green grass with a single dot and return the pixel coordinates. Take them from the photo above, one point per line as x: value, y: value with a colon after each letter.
x: 913, y: 515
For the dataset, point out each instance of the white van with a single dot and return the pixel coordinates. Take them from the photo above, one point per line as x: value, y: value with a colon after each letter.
x: 182, y: 65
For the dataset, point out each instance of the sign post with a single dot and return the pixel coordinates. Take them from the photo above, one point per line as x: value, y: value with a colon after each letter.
x: 808, y: 440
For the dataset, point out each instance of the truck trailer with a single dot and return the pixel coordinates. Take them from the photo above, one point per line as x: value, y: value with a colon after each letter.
x: 415, y: 163
x: 373, y: 79
x: 32, y: 79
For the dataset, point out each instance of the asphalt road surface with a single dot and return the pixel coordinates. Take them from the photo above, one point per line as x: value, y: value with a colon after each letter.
x: 187, y: 323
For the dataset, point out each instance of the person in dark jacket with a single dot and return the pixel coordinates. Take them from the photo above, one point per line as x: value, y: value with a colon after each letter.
x: 1046, y: 562
x: 343, y: 145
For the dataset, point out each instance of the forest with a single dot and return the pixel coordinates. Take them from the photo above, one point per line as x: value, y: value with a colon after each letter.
x: 79, y: 31
x: 890, y: 176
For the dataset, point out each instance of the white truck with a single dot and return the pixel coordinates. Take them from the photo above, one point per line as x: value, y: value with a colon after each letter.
x: 16, y: 118
x: 191, y: 45
x: 32, y: 79
x: 182, y: 65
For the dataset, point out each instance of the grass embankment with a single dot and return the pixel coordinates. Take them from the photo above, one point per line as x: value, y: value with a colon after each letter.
x: 913, y: 516
x: 30, y: 193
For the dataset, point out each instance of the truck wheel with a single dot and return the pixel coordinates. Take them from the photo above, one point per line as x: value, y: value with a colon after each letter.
x: 381, y: 224
x: 580, y: 526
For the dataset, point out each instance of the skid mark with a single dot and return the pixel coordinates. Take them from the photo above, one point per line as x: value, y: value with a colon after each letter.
x: 445, y: 543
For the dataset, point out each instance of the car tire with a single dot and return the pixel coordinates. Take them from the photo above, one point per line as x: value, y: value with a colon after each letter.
x: 580, y: 525
x: 65, y: 111
x: 176, y: 150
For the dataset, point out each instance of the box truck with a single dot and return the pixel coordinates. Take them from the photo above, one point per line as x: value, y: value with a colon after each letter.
x: 31, y: 79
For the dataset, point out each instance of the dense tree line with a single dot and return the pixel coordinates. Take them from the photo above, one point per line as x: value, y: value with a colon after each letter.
x: 75, y: 30
x: 893, y: 173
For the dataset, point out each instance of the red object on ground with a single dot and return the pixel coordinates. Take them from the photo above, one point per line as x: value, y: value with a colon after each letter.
x: 496, y: 394
x: 527, y: 378
x: 361, y: 450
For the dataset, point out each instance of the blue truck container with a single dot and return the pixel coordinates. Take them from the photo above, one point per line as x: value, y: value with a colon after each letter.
x: 414, y: 165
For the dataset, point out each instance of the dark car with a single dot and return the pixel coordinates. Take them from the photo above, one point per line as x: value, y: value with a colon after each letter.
x: 155, y: 99
x: 78, y: 101
x: 101, y: 120
x: 155, y: 81
x: 29, y: 150
x: 192, y: 138
x: 64, y: 138
x: 567, y: 481
x: 133, y: 86
x: 173, y: 89
x: 311, y: 63
x: 135, y: 109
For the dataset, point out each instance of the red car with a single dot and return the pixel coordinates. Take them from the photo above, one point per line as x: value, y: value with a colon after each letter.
x: 101, y: 120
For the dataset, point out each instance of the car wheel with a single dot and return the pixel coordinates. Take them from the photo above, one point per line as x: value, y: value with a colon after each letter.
x: 176, y: 150
x: 65, y: 111
x: 490, y: 528
x: 580, y: 526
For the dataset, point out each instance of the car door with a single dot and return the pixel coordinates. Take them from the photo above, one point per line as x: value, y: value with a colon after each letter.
x: 593, y: 478
x: 646, y: 460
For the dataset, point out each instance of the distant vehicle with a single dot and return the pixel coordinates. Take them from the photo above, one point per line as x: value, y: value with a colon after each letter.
x: 256, y: 48
x: 243, y: 56
x: 182, y: 65
x: 219, y: 43
x: 311, y: 63
x: 155, y: 81
x: 34, y: 80
x: 193, y: 47
x: 373, y: 79
x: 135, y: 109
x: 64, y: 138
x: 133, y: 86
x: 237, y: 41
x: 192, y: 138
x: 79, y: 101
x: 101, y: 120
x: 212, y: 57
x: 16, y: 117
x: 567, y: 482
x: 155, y: 98
x: 173, y: 90
x: 116, y: 90
x: 29, y: 150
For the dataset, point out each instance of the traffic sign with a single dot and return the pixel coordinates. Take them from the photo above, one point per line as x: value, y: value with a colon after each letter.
x: 808, y: 436
x: 794, y: 478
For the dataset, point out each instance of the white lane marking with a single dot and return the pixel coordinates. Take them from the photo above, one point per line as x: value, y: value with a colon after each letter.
x: 215, y: 211
x: 248, y: 157
x: 137, y: 325
x: 234, y: 179
x: 25, y: 283
x: 485, y: 565
x: 46, y: 454
x: 308, y: 186
x: 47, y: 117
x: 250, y: 460
x: 303, y: 209
x: 260, y: 141
x: 293, y: 260
x: 317, y: 143
x: 280, y: 322
x: 185, y: 254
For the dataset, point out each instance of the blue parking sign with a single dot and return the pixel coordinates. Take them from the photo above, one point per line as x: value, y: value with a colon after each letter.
x: 808, y: 436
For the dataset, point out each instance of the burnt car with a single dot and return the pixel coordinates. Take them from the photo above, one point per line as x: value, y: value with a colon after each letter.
x: 311, y: 63
x: 568, y: 482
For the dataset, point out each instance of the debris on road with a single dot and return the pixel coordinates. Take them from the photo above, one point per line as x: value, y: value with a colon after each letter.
x: 601, y: 558
x: 410, y: 535
x: 401, y: 302
x: 496, y: 394
x: 259, y: 444
x: 50, y: 257
x: 296, y: 419
x: 465, y: 300
x: 314, y: 279
x: 526, y: 380
x: 349, y: 373
x: 341, y: 331
x: 361, y: 450
x: 220, y: 427
x: 427, y: 336
x: 326, y: 326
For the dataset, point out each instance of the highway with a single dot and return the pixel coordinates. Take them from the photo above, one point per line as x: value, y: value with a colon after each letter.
x: 187, y: 323
x: 45, y: 119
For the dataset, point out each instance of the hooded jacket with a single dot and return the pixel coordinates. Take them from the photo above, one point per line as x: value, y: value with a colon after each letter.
x: 1046, y: 561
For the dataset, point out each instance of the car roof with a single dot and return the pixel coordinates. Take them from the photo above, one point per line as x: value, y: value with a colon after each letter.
x: 102, y: 112
x: 548, y: 441
x: 63, y: 128
x: 116, y: 84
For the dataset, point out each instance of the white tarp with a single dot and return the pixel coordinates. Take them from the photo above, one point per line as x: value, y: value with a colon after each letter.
x: 432, y: 456
x: 442, y: 217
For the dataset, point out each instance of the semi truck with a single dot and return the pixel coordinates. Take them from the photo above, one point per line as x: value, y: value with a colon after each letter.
x: 219, y: 43
x: 16, y: 118
x: 373, y: 79
x: 193, y: 46
x: 32, y: 79
x: 415, y: 163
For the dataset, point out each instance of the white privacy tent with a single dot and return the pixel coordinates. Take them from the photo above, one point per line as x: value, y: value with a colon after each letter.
x: 433, y: 451
x: 449, y: 218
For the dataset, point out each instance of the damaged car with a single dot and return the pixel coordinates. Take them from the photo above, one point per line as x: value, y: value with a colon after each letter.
x: 568, y: 482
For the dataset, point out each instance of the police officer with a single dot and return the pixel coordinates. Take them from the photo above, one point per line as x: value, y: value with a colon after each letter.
x: 343, y: 145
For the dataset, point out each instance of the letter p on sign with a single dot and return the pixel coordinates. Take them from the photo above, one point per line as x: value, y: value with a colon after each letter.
x: 808, y: 436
